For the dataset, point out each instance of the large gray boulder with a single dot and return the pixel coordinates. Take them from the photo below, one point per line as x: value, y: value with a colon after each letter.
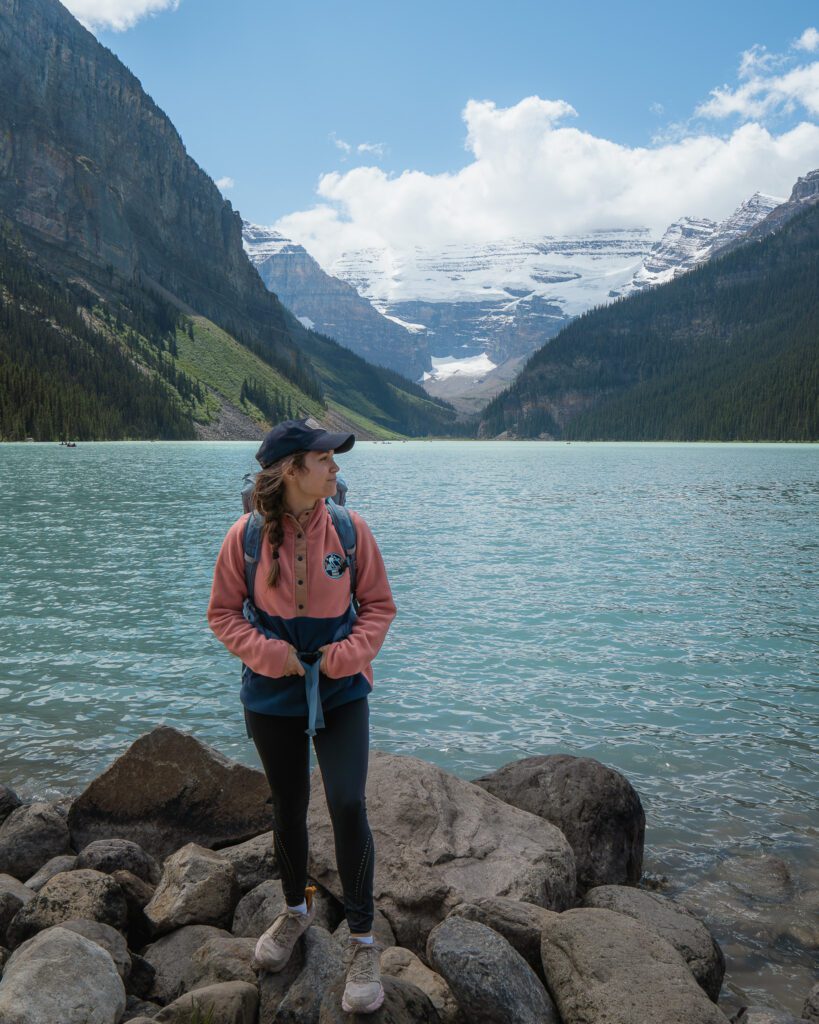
x: 254, y: 861
x: 221, y: 959
x: 519, y: 923
x: 230, y: 1002
x: 611, y: 969
x: 170, y: 956
x: 168, y: 789
x: 404, y: 965
x: 55, y: 866
x: 72, y: 894
x: 197, y: 887
x: 110, y: 855
x: 491, y: 982
x: 256, y: 909
x: 106, y: 938
x: 404, y: 1003
x: 30, y: 836
x: 675, y: 923
x: 440, y: 841
x: 60, y: 975
x: 594, y: 806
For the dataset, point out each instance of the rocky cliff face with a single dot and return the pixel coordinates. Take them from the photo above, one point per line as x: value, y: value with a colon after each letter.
x: 98, y: 179
x: 331, y: 306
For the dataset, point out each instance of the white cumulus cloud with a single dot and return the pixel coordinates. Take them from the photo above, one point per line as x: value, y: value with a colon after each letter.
x: 531, y: 174
x: 116, y: 14
x: 224, y: 183
x: 809, y: 41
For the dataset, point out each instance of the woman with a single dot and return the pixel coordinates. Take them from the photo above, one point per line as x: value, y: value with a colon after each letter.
x: 301, y: 607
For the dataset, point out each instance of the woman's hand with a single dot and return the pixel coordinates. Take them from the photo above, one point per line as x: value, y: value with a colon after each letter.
x: 293, y: 667
x: 323, y: 662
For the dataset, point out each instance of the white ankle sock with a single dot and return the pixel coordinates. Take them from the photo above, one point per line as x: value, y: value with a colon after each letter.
x: 301, y: 908
x: 364, y: 941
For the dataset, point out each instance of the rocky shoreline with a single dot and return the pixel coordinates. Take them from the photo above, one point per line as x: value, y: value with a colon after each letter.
x: 518, y: 897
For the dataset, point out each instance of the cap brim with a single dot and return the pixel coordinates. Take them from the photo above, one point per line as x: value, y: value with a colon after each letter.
x: 339, y: 443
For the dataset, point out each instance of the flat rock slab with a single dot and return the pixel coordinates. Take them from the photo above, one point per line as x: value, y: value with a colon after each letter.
x: 73, y: 894
x: 231, y: 1002
x: 675, y: 923
x: 491, y: 981
x: 169, y: 789
x: 30, y: 836
x: 61, y: 976
x: 197, y: 887
x: 440, y: 841
x: 608, y: 968
x: 404, y: 1003
x: 594, y: 806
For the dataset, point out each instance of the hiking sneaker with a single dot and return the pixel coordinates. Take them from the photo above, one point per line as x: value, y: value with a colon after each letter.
x: 363, y: 992
x: 274, y: 947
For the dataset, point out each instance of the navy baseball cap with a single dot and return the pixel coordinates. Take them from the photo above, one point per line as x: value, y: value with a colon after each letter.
x: 300, y: 436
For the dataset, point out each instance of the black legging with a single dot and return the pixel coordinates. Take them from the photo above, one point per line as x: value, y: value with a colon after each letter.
x: 341, y: 748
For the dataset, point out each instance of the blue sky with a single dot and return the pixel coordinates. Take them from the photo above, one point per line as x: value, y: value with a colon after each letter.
x: 268, y: 94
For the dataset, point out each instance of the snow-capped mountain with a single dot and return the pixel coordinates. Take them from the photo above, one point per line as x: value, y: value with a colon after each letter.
x: 691, y: 241
x: 465, y: 315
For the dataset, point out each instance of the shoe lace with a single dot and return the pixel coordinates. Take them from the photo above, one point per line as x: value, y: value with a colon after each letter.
x: 286, y: 927
x: 363, y: 963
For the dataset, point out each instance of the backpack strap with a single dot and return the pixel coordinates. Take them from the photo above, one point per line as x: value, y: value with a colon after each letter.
x: 345, y: 528
x: 253, y: 548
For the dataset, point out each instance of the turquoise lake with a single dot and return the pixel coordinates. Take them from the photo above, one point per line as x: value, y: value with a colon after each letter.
x: 650, y: 605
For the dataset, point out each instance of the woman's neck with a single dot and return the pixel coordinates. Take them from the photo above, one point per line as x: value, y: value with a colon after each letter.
x: 297, y: 507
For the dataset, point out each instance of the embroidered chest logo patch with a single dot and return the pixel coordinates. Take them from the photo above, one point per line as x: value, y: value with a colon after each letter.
x: 334, y: 566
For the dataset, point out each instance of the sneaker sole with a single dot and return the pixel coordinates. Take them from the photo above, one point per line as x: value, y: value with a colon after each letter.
x: 373, y: 1006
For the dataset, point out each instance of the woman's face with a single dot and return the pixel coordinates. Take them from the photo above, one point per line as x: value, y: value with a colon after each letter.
x: 317, y: 480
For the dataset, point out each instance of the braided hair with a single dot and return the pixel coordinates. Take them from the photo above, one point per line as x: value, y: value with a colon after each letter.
x: 268, y: 501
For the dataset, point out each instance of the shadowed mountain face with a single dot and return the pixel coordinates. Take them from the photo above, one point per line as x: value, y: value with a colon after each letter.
x: 97, y: 176
x: 96, y: 180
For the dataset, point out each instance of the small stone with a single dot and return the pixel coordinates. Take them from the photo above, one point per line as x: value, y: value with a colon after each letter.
x: 169, y: 958
x: 230, y: 1002
x: 255, y: 911
x: 254, y: 861
x: 406, y: 966
x: 110, y: 855
x: 55, y: 866
x: 72, y: 894
x: 30, y: 836
x: 197, y: 887
x: 9, y: 801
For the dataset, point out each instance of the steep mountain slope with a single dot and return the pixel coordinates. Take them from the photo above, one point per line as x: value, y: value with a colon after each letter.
x: 332, y: 306
x: 729, y: 351
x: 97, y: 181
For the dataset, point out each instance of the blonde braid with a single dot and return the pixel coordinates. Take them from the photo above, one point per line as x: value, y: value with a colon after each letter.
x: 268, y: 501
